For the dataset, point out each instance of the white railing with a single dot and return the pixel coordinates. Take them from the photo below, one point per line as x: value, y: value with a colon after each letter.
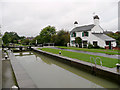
x: 95, y: 61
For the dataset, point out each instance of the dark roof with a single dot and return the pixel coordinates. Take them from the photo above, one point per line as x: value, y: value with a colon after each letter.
x: 75, y: 22
x: 104, y: 37
x: 83, y: 28
x: 96, y: 17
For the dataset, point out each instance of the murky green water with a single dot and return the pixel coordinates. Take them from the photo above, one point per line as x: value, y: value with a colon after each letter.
x: 47, y: 72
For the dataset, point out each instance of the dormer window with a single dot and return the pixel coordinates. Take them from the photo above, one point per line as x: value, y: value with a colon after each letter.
x: 73, y: 34
x: 85, y: 33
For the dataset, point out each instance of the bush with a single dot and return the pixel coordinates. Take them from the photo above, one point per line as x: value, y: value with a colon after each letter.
x: 96, y: 47
x: 90, y: 46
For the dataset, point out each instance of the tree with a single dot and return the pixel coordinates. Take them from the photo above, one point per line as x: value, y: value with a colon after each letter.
x: 26, y: 42
x: 5, y: 38
x: 62, y: 38
x: 78, y: 41
x: 46, y: 34
x: 53, y: 38
x: 39, y: 40
x: 10, y: 37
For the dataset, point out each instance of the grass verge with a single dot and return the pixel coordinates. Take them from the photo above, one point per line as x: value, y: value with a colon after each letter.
x: 110, y: 52
x: 107, y: 62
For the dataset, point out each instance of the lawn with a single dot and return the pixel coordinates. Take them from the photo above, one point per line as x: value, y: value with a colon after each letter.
x: 110, y: 52
x: 107, y: 62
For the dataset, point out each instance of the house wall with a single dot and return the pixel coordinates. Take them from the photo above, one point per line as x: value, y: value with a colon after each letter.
x: 114, y: 43
x: 97, y: 29
x: 91, y: 37
x: 71, y: 39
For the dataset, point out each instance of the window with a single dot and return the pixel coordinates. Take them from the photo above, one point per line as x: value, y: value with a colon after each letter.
x: 73, y: 42
x: 73, y: 34
x: 85, y: 33
x: 84, y: 44
x: 95, y: 43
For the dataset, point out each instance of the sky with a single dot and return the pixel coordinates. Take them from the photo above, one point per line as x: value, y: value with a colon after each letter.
x: 29, y: 17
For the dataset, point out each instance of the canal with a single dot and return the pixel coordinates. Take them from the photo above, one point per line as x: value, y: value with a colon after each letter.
x: 48, y: 72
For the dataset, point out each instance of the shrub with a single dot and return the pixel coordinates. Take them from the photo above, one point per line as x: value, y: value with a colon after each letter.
x: 90, y: 46
x: 97, y: 47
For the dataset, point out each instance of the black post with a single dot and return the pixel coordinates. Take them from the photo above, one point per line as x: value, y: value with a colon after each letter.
x: 20, y: 48
x: 30, y: 47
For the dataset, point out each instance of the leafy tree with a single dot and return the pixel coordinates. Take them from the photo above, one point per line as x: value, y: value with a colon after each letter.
x: 78, y: 40
x: 26, y: 42
x: 62, y: 38
x: 5, y: 38
x: 10, y: 37
x: 53, y: 38
x: 22, y: 37
x: 39, y: 40
x: 46, y: 34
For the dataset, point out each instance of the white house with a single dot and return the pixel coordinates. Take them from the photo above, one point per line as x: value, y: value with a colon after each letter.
x: 93, y: 34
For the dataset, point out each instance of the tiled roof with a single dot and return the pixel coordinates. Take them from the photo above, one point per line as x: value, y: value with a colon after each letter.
x: 83, y: 28
x: 104, y: 37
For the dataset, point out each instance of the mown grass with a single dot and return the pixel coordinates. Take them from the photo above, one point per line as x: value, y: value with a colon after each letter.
x: 107, y: 62
x: 110, y: 52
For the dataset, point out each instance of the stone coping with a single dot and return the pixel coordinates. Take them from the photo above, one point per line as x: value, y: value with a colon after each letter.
x: 22, y: 77
x: 0, y: 68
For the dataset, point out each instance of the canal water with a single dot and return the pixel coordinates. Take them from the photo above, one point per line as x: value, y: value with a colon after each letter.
x: 48, y: 72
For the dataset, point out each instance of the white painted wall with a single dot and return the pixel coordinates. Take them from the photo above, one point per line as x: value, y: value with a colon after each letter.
x: 96, y: 21
x: 71, y: 39
x: 91, y: 37
x: 97, y: 29
x: 114, y: 43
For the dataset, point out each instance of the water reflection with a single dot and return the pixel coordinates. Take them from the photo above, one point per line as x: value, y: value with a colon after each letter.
x: 49, y: 72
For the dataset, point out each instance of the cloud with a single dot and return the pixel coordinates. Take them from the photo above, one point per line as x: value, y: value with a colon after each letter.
x: 111, y: 25
x: 28, y: 17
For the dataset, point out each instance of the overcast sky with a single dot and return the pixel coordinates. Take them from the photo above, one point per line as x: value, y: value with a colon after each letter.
x: 28, y: 17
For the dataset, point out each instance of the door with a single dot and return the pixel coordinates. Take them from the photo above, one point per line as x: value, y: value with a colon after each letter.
x: 95, y: 43
x: 109, y: 44
x: 84, y: 44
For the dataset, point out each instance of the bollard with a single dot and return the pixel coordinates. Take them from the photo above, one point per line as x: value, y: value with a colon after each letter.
x: 20, y: 48
x: 6, y: 56
x: 118, y: 66
x: 14, y: 87
x: 60, y: 52
x: 29, y: 47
